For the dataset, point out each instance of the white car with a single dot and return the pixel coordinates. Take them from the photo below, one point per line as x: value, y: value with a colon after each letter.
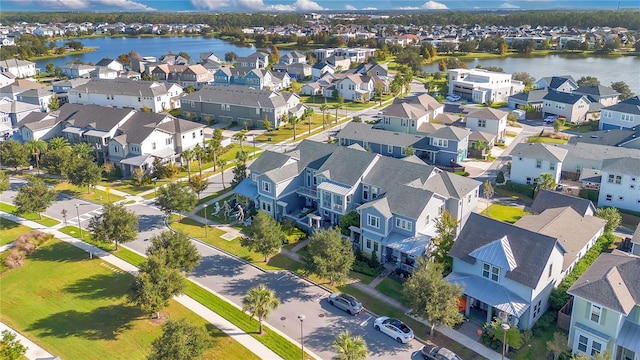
x: 453, y: 98
x: 550, y: 119
x: 394, y: 328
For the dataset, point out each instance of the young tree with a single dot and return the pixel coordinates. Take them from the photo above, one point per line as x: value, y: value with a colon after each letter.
x: 83, y: 150
x: 259, y: 302
x: 612, y: 215
x: 239, y: 173
x: 108, y: 168
x: 10, y: 347
x: 56, y: 161
x: 50, y: 67
x: 487, y: 191
x: 513, y: 338
x: 446, y: 227
x: 176, y: 248
x: 5, y: 181
x: 188, y: 156
x: 54, y: 103
x: 198, y: 184
x: 155, y: 285
x: 266, y: 124
x: 84, y: 171
x: 546, y: 182
x: 214, y: 146
x: 329, y: 256
x: 34, y: 197
x: 176, y: 197
x: 432, y: 297
x: 623, y: 89
x: 180, y: 340
x: 36, y: 148
x: 221, y: 163
x: 265, y: 236
x: 294, y: 120
x: 199, y: 152
x: 558, y: 345
x: 115, y: 225
x: 58, y: 143
x: 409, y: 151
x: 350, y: 347
x: 138, y: 174
x: 13, y: 154
x: 240, y: 137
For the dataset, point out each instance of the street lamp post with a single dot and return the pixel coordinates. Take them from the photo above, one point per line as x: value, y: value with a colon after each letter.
x: 254, y: 145
x: 79, y: 224
x: 505, y: 328
x: 301, y: 318
x: 206, y: 221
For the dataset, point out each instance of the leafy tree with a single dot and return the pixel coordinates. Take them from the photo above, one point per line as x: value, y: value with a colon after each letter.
x: 500, y: 178
x: 350, y: 347
x: 265, y: 235
x: 198, y: 184
x: 155, y: 285
x: 5, y: 181
x: 468, y: 46
x: 526, y: 78
x: 54, y: 103
x: 329, y: 256
x: 259, y: 302
x: 230, y: 56
x: 84, y: 171
x: 108, y: 168
x: 83, y: 150
x: 623, y: 89
x: 446, y: 227
x: 514, y: 338
x: 34, y: 197
x: 124, y: 59
x: 573, y: 45
x: 10, y: 347
x: 176, y: 197
x: 352, y: 218
x: 610, y: 46
x: 446, y: 47
x: 116, y: 224
x: 588, y: 81
x: 56, y: 161
x: 189, y: 89
x: 557, y: 345
x: 176, y: 248
x: 612, y: 216
x: 50, y: 67
x: 295, y: 86
x: 546, y: 181
x: 275, y: 54
x: 36, y: 148
x: 13, y: 154
x: 432, y: 297
x: 409, y: 151
x: 412, y: 59
x: 180, y: 340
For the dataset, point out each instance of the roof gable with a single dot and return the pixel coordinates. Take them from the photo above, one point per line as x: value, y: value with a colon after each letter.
x: 496, y: 253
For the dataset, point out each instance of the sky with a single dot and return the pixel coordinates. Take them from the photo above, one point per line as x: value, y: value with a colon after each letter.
x: 306, y: 5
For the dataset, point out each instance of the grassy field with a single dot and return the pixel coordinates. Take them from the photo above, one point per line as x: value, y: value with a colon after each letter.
x: 509, y: 214
x: 545, y: 139
x: 514, y: 195
x: 46, y: 221
x: 9, y: 231
x: 393, y: 289
x: 96, y: 196
x: 302, y: 128
x: 76, y: 308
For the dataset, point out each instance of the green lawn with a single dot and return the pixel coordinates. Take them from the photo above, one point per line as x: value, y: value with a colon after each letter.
x: 96, y: 196
x: 393, y: 289
x: 545, y: 139
x: 45, y: 220
x: 74, y: 231
x: 320, y: 100
x: 509, y: 214
x: 512, y: 194
x: 212, y: 196
x: 9, y: 231
x: 302, y: 128
x: 77, y: 309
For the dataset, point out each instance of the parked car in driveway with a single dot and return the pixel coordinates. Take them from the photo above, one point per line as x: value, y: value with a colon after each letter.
x: 394, y: 328
x: 452, y: 98
x: 550, y: 119
x: 346, y: 302
x: 431, y: 351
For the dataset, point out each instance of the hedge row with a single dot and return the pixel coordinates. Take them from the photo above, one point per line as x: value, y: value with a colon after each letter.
x: 520, y: 189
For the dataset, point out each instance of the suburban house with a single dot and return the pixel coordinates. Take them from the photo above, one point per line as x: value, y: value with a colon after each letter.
x: 294, y: 57
x: 6, y: 78
x: 508, y: 270
x: 19, y: 68
x: 546, y: 199
x: 40, y: 96
x: 635, y: 242
x: 407, y: 115
x: 296, y: 70
x: 573, y: 107
x: 529, y: 160
x: 606, y: 308
x: 623, y: 115
x: 356, y: 87
x: 558, y: 83
x: 103, y: 73
x: 110, y: 64
x: 626, y: 138
x: 73, y: 71
x: 604, y: 95
x: 257, y: 60
x: 488, y: 120
x: 620, y: 185
x: 196, y: 76
x: 320, y: 68
x: 371, y: 69
x: 583, y: 155
x: 127, y: 93
x: 397, y: 199
x: 228, y: 104
x: 481, y: 86
x: 255, y: 78
x: 533, y: 98
x: 62, y: 87
x: 12, y: 90
x: 446, y: 145
x: 12, y: 112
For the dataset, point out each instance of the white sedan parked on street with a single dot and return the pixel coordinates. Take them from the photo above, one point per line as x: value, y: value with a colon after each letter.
x: 394, y: 328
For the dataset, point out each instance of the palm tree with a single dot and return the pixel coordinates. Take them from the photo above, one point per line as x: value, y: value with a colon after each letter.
x: 324, y: 107
x: 557, y: 345
x: 83, y: 149
x: 336, y: 106
x: 214, y: 145
x: 546, y: 182
x: 350, y: 347
x: 221, y: 164
x: 259, y: 302
x: 240, y: 136
x: 294, y: 120
x: 200, y: 152
x: 36, y: 147
x: 308, y: 113
x: 58, y: 143
x: 188, y: 155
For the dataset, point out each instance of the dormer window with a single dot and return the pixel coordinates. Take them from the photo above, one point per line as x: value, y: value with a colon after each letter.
x: 490, y: 272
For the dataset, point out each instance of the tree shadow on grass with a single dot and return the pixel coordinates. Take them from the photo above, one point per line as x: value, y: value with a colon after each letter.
x: 214, y: 332
x: 59, y: 252
x: 103, y: 323
x: 101, y: 286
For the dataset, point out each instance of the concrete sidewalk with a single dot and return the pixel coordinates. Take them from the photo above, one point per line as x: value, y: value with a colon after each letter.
x: 227, y: 327
x: 34, y: 351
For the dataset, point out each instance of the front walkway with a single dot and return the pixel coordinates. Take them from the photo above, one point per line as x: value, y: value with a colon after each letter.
x: 227, y: 327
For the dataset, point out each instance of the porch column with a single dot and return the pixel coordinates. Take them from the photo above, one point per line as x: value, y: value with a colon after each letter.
x: 489, y: 314
x: 467, y: 310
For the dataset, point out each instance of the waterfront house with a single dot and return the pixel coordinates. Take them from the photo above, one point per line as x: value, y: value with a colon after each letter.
x: 533, y: 98
x: 530, y: 160
x: 482, y: 86
x: 604, y: 95
x: 558, y: 83
x: 110, y: 63
x: 623, y: 115
x: 19, y: 68
x: 73, y: 71
x: 572, y: 107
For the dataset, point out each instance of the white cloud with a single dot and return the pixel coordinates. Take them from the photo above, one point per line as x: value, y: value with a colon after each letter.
x: 281, y: 7
x: 434, y: 5
x: 509, y: 6
x: 307, y: 5
x: 350, y: 7
x: 408, y: 8
x: 369, y: 8
x: 303, y: 5
x: 124, y: 4
x: 87, y: 4
x: 209, y: 4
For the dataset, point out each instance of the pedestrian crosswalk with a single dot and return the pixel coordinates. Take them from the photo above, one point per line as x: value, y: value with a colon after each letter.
x: 86, y: 216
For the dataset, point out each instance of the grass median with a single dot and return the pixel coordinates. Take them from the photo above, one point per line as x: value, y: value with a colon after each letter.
x: 45, y: 220
x: 9, y: 231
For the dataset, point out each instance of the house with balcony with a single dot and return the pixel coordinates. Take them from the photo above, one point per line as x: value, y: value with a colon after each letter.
x: 606, y: 308
x: 572, y: 107
x: 397, y: 199
x: 407, y: 115
x: 508, y: 270
x: 620, y: 184
x: 529, y: 160
x: 481, y: 86
x: 19, y: 68
x: 623, y: 115
x: 488, y: 120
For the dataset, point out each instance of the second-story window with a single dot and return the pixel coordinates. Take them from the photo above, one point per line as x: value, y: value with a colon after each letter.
x: 490, y: 272
x: 482, y: 123
x: 596, y: 311
x: 266, y: 187
x: 373, y: 221
x: 538, y: 164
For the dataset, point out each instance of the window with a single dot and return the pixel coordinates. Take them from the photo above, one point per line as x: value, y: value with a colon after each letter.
x: 595, y: 313
x: 550, y: 270
x: 596, y: 348
x: 538, y: 164
x: 626, y: 117
x: 606, y: 114
x: 440, y: 142
x: 266, y: 186
x: 608, y: 197
x: 403, y: 224
x: 374, y: 192
x: 618, y: 179
x: 490, y: 272
x: 536, y: 309
x: 368, y: 243
x: 403, y: 151
x: 529, y: 180
x: 193, y: 135
x: 611, y: 177
x: 552, y: 165
x: 582, y: 343
x: 389, y: 149
x: 153, y: 146
x: 266, y: 206
x: 365, y: 192
x: 169, y: 141
x: 375, y: 246
x: 373, y: 221
x: 482, y: 123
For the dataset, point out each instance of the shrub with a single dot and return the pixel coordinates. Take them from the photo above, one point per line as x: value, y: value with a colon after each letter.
x: 373, y: 260
x: 363, y: 267
x: 461, y: 173
x: 547, y: 321
x: 15, y: 259
x: 520, y: 189
x: 500, y: 178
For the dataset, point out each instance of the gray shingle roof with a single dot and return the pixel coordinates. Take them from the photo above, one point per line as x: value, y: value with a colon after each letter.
x: 533, y: 96
x: 531, y: 250
x: 346, y: 165
x: 123, y: 86
x: 598, y: 152
x: 366, y: 132
x: 539, y: 151
x: 565, y: 98
x: 486, y: 113
x: 611, y: 281
x: 237, y: 95
x: 552, y: 199
x: 623, y: 165
x: 451, y: 185
x: 596, y: 90
x: 269, y: 160
x: 606, y: 137
x: 404, y: 172
x: 451, y: 133
x: 629, y: 106
x: 37, y: 120
x: 95, y: 116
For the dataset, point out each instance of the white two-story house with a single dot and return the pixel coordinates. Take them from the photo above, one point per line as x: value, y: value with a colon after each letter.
x: 529, y: 160
x: 605, y: 315
x: 488, y: 120
x: 481, y: 86
x: 408, y: 115
x: 620, y: 185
